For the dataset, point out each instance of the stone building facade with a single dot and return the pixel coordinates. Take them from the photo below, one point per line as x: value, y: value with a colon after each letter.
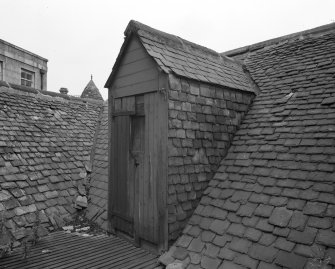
x: 21, y: 67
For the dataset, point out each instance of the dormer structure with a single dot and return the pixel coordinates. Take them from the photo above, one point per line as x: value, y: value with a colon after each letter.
x: 175, y: 107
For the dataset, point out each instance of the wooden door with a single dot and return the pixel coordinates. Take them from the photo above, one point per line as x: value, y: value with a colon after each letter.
x: 138, y: 169
x: 122, y: 181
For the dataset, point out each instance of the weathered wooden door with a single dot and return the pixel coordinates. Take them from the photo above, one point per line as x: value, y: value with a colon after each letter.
x: 139, y: 169
x: 123, y: 182
x: 128, y: 168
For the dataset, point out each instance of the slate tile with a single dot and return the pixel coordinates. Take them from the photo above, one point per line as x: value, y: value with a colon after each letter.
x: 231, y: 206
x: 205, y: 223
x: 10, y: 203
x: 219, y: 226
x: 194, y: 231
x: 320, y: 223
x: 287, y: 183
x: 195, y: 258
x: 219, y: 213
x: 272, y: 190
x: 267, y: 239
x: 306, y: 237
x: 259, y: 252
x: 209, y: 263
x: 207, y: 236
x: 180, y: 253
x: 331, y: 253
x: 258, y: 196
x: 291, y: 193
x: 280, y: 216
x: 236, y: 229
x: 246, y: 210
x: 246, y: 261
x: 230, y: 265
x: 296, y: 204
x: 305, y: 251
x: 315, y: 208
x: 222, y: 240
x: 196, y: 245
x: 240, y: 245
x: 298, y: 221
x: 323, y: 187
x: 264, y: 210
x: 283, y: 244
x: 326, y: 237
x: 264, y: 265
x: 253, y: 234
x: 211, y: 250
x: 226, y: 253
x: 184, y: 241
x: 278, y: 201
x: 240, y: 196
x: 290, y: 260
x: 264, y: 226
x: 327, y: 198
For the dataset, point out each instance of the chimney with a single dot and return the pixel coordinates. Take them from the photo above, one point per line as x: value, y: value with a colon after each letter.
x: 63, y: 90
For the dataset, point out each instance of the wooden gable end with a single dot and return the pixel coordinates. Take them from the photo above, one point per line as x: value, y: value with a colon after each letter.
x: 136, y: 73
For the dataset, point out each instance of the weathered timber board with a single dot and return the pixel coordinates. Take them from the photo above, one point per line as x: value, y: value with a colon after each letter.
x: 73, y: 251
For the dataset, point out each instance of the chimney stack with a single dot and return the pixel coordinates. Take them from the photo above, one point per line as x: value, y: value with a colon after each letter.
x: 63, y: 91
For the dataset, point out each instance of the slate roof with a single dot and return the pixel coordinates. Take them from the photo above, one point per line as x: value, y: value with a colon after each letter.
x: 186, y: 59
x: 45, y: 141
x: 272, y: 202
x: 91, y: 91
x: 98, y: 198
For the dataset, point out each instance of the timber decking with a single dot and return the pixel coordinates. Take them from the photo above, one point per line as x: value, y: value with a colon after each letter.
x: 61, y: 250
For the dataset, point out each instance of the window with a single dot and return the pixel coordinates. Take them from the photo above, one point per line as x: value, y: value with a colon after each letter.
x: 27, y: 78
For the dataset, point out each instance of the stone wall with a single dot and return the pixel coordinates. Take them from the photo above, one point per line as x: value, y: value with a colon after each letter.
x: 202, y: 122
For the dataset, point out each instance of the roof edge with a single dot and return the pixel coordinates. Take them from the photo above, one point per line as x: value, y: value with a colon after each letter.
x: 23, y: 50
x: 135, y: 26
x: 142, y: 31
x: 117, y: 61
x: 23, y: 90
x: 320, y: 30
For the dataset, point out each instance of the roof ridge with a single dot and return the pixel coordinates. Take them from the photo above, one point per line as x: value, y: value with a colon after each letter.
x: 135, y: 26
x: 183, y: 58
x: 23, y: 50
x: 23, y: 90
x: 317, y: 31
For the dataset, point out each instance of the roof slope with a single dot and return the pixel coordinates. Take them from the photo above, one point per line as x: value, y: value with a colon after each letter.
x: 272, y: 202
x: 97, y: 208
x: 45, y: 143
x: 91, y: 91
x: 186, y: 59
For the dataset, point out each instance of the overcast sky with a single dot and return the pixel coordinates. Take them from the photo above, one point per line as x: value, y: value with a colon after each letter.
x: 83, y: 37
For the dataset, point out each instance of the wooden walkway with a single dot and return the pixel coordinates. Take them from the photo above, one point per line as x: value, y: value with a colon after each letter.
x: 61, y: 250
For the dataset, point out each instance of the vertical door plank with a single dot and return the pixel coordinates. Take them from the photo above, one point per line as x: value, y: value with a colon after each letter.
x: 122, y: 189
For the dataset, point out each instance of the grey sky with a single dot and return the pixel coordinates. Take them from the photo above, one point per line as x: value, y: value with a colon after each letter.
x: 83, y: 37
